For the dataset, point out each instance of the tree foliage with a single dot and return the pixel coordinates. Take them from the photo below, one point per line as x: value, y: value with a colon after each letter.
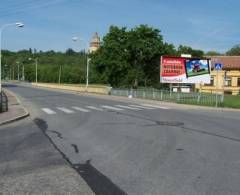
x: 213, y: 53
x: 188, y: 50
x: 130, y: 57
x: 73, y: 65
x: 235, y: 51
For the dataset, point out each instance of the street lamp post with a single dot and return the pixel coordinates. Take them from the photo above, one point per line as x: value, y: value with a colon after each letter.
x: 18, y: 70
x: 88, y: 59
x: 18, y: 24
x: 59, y: 74
x: 4, y: 72
x: 23, y: 73
x: 36, y: 68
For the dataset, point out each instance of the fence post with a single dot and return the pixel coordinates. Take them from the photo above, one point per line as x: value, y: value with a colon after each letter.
x: 178, y: 97
x: 144, y: 94
x: 198, y: 98
x: 154, y: 94
x: 216, y: 105
x: 222, y: 98
x: 161, y: 95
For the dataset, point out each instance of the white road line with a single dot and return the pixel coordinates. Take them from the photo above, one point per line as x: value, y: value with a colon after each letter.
x: 48, y: 111
x: 155, y: 106
x: 80, y: 109
x: 65, y: 110
x: 128, y: 107
x: 143, y: 107
x: 94, y: 108
x: 112, y: 108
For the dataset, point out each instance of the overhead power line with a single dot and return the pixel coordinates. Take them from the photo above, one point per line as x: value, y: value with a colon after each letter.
x: 29, y: 5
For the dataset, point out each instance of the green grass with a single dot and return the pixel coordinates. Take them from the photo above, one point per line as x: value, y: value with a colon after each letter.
x: 231, y: 101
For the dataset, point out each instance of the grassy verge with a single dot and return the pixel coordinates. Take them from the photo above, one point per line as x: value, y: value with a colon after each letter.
x: 231, y: 101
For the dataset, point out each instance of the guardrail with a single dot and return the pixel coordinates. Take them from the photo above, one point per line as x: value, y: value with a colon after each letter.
x: 178, y: 97
x: 3, y: 102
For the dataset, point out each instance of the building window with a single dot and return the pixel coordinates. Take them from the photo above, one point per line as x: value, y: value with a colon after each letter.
x: 228, y: 81
x: 211, y: 82
x: 239, y: 82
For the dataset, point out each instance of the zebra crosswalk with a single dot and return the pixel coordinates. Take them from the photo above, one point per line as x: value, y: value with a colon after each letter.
x: 89, y: 108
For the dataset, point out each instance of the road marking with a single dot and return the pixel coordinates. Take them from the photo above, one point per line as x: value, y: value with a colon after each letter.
x: 48, y: 111
x: 143, y: 107
x: 65, y: 110
x: 80, y: 109
x: 94, y: 108
x: 155, y: 106
x: 128, y: 107
x: 112, y: 108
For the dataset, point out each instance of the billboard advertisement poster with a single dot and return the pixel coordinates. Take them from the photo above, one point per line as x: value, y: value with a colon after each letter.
x: 184, y: 70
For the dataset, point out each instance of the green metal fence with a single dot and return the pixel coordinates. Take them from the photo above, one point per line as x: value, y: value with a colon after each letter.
x: 178, y: 97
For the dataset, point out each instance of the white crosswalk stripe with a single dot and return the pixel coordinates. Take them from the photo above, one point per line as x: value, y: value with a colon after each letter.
x: 48, y: 111
x: 117, y: 107
x: 80, y: 109
x: 94, y: 108
x: 128, y: 107
x: 66, y: 110
x: 112, y: 108
x: 143, y: 107
x: 155, y: 106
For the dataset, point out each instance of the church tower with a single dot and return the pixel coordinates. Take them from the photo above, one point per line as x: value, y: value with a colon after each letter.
x: 95, y: 43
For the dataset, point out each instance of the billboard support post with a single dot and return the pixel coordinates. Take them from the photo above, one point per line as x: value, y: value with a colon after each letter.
x: 170, y: 90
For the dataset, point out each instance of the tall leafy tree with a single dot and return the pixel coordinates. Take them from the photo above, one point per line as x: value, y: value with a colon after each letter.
x: 234, y: 51
x: 131, y: 57
x: 213, y: 53
x: 188, y: 50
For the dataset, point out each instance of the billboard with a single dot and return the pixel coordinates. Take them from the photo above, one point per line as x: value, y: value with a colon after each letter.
x: 184, y: 70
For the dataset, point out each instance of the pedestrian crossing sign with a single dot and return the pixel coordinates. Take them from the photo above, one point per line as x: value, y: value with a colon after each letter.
x: 218, y: 66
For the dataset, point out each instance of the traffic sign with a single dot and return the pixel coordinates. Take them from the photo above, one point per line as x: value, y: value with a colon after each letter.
x: 218, y: 66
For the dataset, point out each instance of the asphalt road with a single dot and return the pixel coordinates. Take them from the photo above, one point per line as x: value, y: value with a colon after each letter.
x: 122, y: 147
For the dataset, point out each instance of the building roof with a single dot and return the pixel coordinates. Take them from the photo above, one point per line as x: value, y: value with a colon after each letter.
x: 229, y: 62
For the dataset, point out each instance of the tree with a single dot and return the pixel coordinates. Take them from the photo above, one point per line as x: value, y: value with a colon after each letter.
x: 110, y: 60
x: 234, y: 51
x: 70, y: 52
x: 213, y: 53
x: 130, y: 57
x: 188, y: 50
x: 74, y: 66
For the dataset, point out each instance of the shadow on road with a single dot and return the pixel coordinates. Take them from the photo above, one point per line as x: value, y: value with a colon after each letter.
x: 99, y: 183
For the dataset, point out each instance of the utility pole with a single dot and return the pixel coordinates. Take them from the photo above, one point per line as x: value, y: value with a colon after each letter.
x: 36, y: 63
x: 18, y: 70
x: 59, y: 74
x: 23, y: 73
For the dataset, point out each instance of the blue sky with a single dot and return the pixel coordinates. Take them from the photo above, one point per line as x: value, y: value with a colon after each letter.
x: 50, y: 24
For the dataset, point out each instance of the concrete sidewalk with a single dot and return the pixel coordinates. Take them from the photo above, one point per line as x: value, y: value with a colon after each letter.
x: 15, y: 112
x: 30, y: 163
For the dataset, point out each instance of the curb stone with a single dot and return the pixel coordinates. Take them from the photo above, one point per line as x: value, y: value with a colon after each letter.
x: 26, y: 114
